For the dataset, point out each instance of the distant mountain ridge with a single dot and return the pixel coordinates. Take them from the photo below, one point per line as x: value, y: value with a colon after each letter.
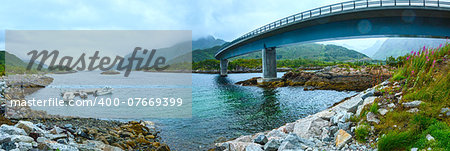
x: 206, y: 42
x: 400, y: 46
x: 306, y: 51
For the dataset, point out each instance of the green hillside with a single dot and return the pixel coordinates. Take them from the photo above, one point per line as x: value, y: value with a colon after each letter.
x: 306, y: 51
x: 13, y: 64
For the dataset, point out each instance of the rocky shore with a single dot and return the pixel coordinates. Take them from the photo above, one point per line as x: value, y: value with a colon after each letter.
x: 330, y: 129
x: 329, y: 78
x: 25, y: 129
x: 247, y: 70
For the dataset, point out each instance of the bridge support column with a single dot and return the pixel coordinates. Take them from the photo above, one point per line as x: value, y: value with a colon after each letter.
x: 269, y: 63
x: 223, y: 67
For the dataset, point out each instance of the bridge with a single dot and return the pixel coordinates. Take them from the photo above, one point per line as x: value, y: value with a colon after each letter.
x: 347, y: 20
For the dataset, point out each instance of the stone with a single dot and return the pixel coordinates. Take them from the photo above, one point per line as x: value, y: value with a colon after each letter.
x: 445, y: 111
x: 310, y: 127
x: 391, y: 105
x: 351, y: 105
x: 291, y: 142
x: 11, y: 130
x: 368, y: 100
x: 41, y: 139
x: 414, y: 149
x: 371, y: 117
x: 276, y: 134
x: 326, y: 114
x: 25, y: 146
x: 412, y: 104
x: 383, y: 111
x: 22, y: 138
x: 429, y: 137
x: 272, y: 145
x: 4, y: 138
x: 56, y: 130
x: 61, y: 147
x: 413, y: 110
x: 344, y: 126
x: 253, y: 147
x: 68, y: 126
x: 261, y: 139
x: 342, y: 137
x: 8, y: 146
x: 245, y: 138
x: 25, y: 125
x: 57, y: 136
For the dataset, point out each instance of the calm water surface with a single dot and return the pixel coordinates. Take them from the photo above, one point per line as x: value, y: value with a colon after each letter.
x: 222, y: 109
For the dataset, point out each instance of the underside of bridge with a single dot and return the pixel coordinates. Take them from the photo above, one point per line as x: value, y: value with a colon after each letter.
x: 393, y: 22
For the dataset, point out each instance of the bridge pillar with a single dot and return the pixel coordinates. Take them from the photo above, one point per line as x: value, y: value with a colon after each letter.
x: 223, y: 67
x: 269, y: 63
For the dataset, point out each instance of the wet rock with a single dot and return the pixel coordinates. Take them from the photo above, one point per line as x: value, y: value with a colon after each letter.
x: 412, y: 104
x: 342, y: 137
x: 11, y: 130
x: 382, y: 111
x: 272, y: 145
x: 253, y: 147
x: 371, y: 117
x: 261, y: 139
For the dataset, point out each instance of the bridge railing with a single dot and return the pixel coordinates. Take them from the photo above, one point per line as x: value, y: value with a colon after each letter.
x: 340, y: 7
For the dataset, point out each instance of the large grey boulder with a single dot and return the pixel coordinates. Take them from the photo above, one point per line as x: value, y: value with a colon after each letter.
x: 11, y: 130
x: 253, y: 147
x: 310, y: 127
x: 368, y: 100
x: 261, y: 139
x: 273, y: 145
x: 293, y: 143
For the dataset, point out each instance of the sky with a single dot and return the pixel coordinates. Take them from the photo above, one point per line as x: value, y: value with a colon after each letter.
x: 224, y: 19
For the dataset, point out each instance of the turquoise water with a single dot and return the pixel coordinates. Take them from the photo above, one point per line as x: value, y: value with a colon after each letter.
x: 219, y: 107
x: 222, y: 109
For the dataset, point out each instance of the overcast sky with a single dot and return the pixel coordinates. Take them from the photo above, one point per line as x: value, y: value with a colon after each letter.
x: 225, y: 19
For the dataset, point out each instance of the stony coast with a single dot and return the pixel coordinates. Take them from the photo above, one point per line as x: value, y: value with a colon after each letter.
x: 330, y: 129
x: 25, y: 129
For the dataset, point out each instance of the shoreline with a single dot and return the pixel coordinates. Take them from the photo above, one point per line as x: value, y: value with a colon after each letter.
x: 329, y: 129
x: 44, y: 131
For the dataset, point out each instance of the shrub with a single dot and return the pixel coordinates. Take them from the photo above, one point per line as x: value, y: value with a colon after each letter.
x: 361, y: 133
x: 374, y: 108
x: 395, y: 141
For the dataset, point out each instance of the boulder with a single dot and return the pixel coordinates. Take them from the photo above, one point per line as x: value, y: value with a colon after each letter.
x: 25, y: 125
x: 344, y: 126
x: 276, y: 134
x: 368, y: 100
x: 291, y: 142
x: 310, y: 127
x: 11, y: 130
x: 4, y: 138
x: 22, y: 138
x: 342, y: 137
x: 273, y: 145
x: 351, y: 105
x: 412, y: 104
x: 371, y: 117
x: 253, y: 147
x: 261, y: 139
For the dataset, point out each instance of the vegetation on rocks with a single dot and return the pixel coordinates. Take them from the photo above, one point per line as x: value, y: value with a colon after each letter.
x: 415, y: 103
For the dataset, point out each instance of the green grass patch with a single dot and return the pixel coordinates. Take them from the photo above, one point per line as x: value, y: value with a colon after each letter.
x: 374, y: 108
x: 361, y: 133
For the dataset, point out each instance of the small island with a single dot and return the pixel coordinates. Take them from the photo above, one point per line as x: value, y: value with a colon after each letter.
x: 110, y: 72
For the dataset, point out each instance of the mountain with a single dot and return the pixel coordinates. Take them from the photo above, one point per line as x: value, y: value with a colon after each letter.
x: 12, y: 60
x: 206, y: 42
x: 373, y: 49
x: 306, y: 51
x: 400, y: 46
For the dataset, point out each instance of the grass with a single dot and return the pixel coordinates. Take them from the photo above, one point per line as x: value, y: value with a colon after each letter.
x: 374, y: 108
x: 424, y: 76
x: 361, y: 133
